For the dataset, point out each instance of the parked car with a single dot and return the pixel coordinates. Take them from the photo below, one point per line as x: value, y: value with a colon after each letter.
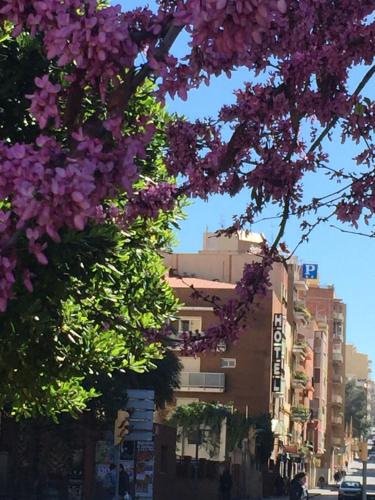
x: 350, y: 490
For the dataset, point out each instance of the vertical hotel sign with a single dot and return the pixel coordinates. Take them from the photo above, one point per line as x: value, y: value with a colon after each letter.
x: 277, y: 351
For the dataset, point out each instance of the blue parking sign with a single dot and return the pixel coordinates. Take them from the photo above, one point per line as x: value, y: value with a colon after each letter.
x: 310, y: 271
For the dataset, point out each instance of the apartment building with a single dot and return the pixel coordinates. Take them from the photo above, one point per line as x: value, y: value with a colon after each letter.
x: 357, y: 365
x: 304, y: 390
x: 310, y: 353
x: 238, y: 373
x: 330, y: 314
x: 358, y: 368
x: 256, y: 373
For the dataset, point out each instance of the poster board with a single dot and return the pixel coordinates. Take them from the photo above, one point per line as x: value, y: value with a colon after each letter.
x: 145, y: 459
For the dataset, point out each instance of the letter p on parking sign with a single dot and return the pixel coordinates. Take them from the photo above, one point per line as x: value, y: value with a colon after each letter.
x: 310, y: 271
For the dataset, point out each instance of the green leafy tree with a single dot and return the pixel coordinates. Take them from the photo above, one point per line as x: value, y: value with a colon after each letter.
x: 356, y: 409
x: 103, y: 289
x: 209, y: 417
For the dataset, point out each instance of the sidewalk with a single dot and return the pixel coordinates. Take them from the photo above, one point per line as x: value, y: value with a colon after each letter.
x: 314, y: 492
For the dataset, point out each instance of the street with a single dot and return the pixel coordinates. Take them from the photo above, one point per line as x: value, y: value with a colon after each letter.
x: 355, y: 474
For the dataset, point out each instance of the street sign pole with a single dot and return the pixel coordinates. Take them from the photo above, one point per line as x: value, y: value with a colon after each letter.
x: 364, y: 479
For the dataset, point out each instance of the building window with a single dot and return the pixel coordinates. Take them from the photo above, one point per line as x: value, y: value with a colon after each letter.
x: 228, y: 363
x: 190, y: 324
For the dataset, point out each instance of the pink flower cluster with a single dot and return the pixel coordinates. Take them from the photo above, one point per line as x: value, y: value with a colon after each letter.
x: 148, y: 202
x: 44, y: 102
x: 98, y: 43
x: 49, y: 189
x: 222, y: 29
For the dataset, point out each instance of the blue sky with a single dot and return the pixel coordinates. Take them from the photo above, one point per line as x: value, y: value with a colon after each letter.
x: 344, y: 260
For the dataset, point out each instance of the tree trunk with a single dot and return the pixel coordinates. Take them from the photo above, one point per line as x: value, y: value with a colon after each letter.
x: 89, y: 439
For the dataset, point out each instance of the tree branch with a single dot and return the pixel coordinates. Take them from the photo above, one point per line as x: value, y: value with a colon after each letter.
x: 127, y: 88
x: 357, y: 233
x: 370, y: 73
x: 333, y: 122
x: 284, y: 219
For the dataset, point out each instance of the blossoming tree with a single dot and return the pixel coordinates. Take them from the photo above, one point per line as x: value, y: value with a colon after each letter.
x: 87, y: 152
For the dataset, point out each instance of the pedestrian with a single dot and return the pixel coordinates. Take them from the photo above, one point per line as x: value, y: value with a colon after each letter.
x: 279, y: 485
x: 124, y: 483
x: 226, y: 484
x: 321, y: 482
x: 110, y: 482
x: 337, y: 477
x: 298, y: 490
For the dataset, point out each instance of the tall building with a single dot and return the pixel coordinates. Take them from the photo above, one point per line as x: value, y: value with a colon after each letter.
x: 289, y: 362
x: 259, y: 373
x: 358, y: 368
x: 358, y: 365
x: 246, y: 366
x: 330, y: 314
x: 310, y: 353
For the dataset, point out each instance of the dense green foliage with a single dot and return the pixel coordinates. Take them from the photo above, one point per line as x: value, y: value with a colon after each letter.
x: 356, y: 409
x: 104, y: 287
x: 209, y: 417
x: 164, y: 379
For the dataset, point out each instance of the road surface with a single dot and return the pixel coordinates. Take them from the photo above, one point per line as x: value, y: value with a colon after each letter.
x: 355, y: 474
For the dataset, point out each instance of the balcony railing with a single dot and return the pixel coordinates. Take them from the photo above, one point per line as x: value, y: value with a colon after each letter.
x: 300, y: 413
x: 337, y: 357
x: 338, y: 441
x: 337, y: 420
x: 337, y: 400
x: 299, y: 379
x: 338, y: 316
x: 202, y: 382
x: 301, y: 348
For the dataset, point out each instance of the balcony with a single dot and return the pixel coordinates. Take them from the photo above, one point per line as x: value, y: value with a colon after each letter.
x: 301, y: 349
x: 301, y: 313
x: 301, y: 285
x: 337, y: 420
x: 299, y: 380
x: 300, y: 413
x: 337, y: 357
x: 202, y: 382
x: 337, y: 379
x: 338, y: 316
x: 337, y: 400
x: 336, y: 441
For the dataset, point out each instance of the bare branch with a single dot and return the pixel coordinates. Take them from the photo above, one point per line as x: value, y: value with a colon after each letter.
x: 284, y: 219
x: 305, y: 236
x: 357, y: 233
x: 370, y: 73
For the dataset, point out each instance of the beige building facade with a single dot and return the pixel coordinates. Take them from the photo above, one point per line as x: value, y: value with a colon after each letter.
x: 308, y: 408
x: 357, y: 364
